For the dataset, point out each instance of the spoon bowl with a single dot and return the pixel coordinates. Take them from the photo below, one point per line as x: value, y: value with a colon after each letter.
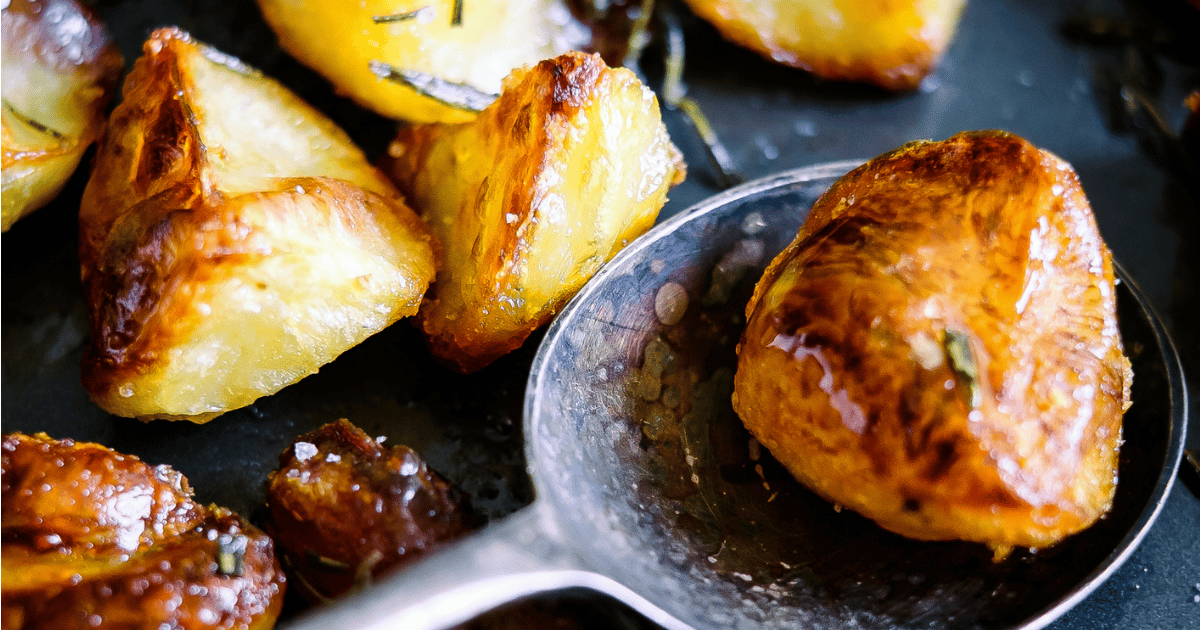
x: 649, y: 489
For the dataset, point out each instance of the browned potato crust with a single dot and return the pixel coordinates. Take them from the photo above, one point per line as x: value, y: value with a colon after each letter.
x: 938, y: 348
x: 232, y: 239
x: 60, y: 70
x: 344, y: 509
x: 528, y: 200
x: 93, y: 538
x: 890, y: 43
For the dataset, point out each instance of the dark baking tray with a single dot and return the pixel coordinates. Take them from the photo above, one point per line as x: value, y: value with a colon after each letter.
x: 1013, y: 65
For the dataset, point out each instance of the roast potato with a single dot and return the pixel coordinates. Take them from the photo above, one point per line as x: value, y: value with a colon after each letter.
x: 889, y: 44
x: 529, y: 199
x: 340, y: 39
x: 345, y: 509
x: 94, y: 538
x: 232, y: 239
x: 938, y: 348
x: 59, y: 71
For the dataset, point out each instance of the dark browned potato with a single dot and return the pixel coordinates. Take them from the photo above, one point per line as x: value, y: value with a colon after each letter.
x: 938, y: 348
x: 345, y: 509
x: 93, y: 538
x: 233, y: 240
x: 891, y: 44
x: 530, y: 198
x: 60, y: 69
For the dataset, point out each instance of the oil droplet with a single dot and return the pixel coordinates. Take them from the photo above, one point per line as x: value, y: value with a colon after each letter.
x: 805, y: 128
x: 670, y: 303
x: 125, y: 390
x: 753, y: 224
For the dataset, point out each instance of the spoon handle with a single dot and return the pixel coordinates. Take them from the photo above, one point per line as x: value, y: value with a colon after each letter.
x: 521, y: 555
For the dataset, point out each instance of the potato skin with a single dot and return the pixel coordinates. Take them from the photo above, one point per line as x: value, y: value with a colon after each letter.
x: 93, y: 538
x: 232, y: 240
x: 345, y: 509
x: 938, y: 348
x: 890, y: 43
x: 529, y: 199
x: 59, y: 75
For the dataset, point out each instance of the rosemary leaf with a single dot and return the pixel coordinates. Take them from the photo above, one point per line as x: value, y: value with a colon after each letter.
x: 958, y: 348
x: 325, y: 563
x: 674, y: 95
x: 638, y: 36
x: 457, y: 14
x: 12, y: 111
x: 457, y: 95
x: 231, y: 554
x: 399, y: 17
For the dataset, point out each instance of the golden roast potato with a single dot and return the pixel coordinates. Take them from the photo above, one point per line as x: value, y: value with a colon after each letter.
x: 938, y: 348
x: 891, y: 44
x: 345, y: 509
x: 528, y: 200
x: 233, y: 240
x: 59, y: 71
x: 473, y: 44
x: 93, y: 538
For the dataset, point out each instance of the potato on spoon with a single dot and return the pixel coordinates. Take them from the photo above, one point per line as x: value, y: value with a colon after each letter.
x: 938, y: 349
x: 233, y: 240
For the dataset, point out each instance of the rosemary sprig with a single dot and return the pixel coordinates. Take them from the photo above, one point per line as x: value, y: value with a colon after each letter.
x: 638, y: 37
x: 457, y: 95
x: 675, y: 97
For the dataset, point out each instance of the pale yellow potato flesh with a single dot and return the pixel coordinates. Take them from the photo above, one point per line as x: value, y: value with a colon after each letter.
x: 528, y: 200
x: 233, y: 240
x: 60, y: 69
x: 890, y: 43
x: 340, y: 38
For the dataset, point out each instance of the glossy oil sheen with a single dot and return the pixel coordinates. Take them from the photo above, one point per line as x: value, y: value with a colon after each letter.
x: 984, y: 250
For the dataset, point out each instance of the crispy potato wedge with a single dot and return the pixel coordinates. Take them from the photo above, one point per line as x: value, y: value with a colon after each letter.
x: 60, y: 69
x: 890, y: 44
x: 345, y: 509
x: 528, y: 200
x: 938, y: 348
x: 233, y: 240
x: 340, y: 39
x: 95, y: 537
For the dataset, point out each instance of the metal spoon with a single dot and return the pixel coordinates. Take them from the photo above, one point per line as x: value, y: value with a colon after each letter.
x: 648, y: 489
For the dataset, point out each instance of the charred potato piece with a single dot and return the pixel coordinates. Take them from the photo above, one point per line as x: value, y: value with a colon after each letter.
x: 93, y: 538
x: 344, y: 509
x: 59, y: 71
x: 938, y: 348
x: 528, y: 200
x: 889, y: 44
x: 233, y: 240
x: 340, y: 39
